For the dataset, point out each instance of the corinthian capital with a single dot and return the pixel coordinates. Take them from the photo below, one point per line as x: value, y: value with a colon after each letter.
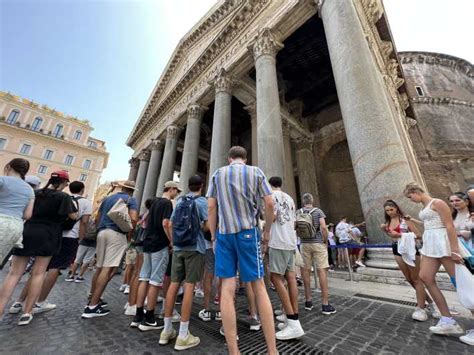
x: 172, y: 132
x: 266, y: 44
x: 155, y: 144
x: 304, y: 143
x: 195, y: 111
x: 223, y: 82
x: 134, y: 162
x: 144, y: 155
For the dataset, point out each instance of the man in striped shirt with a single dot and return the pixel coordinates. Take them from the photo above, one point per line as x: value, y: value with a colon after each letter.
x: 234, y: 194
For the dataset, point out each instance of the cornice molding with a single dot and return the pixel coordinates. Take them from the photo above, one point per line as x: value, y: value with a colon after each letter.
x: 445, y: 60
x: 441, y: 101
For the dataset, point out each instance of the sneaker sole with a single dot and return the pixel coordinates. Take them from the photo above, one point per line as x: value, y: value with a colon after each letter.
x: 79, y: 282
x: 309, y: 309
x: 290, y: 338
x: 43, y: 310
x: 328, y: 313
x: 165, y: 342
x: 68, y: 280
x: 447, y: 333
x: 144, y: 328
x: 205, y: 319
x: 24, y: 323
x: 467, y: 341
x: 184, y: 347
x: 15, y: 311
x: 255, y: 328
x: 93, y: 315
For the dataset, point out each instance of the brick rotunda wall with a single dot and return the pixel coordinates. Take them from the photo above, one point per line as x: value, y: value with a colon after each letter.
x: 441, y: 92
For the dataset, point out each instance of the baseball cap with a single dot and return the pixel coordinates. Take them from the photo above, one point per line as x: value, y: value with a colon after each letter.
x: 171, y: 184
x: 33, y: 180
x: 62, y: 174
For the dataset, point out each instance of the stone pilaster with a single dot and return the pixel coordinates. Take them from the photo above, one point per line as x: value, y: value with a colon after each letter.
x: 252, y: 111
x: 221, y: 138
x: 380, y: 163
x: 306, y: 169
x: 189, y: 163
x: 169, y: 158
x: 149, y: 190
x: 134, y: 163
x: 289, y: 177
x: 144, y: 158
x: 269, y: 127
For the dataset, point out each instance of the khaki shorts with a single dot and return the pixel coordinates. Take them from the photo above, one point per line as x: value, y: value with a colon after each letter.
x: 187, y: 266
x: 314, y: 252
x: 281, y: 261
x: 130, y: 257
x: 110, y: 248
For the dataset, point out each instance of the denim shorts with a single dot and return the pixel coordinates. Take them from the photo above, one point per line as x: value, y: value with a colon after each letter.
x: 239, y: 250
x: 154, y: 267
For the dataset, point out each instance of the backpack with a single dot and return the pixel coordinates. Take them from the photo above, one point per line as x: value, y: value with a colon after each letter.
x: 304, y: 224
x: 69, y: 223
x: 186, y: 224
x: 91, y: 230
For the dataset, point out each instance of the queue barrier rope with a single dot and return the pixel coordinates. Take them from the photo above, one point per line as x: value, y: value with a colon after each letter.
x: 360, y: 246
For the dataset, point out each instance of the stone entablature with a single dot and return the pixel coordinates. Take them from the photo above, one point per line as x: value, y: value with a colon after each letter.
x: 445, y: 60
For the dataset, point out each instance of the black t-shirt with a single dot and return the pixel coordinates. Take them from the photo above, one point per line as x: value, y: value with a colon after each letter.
x: 52, y: 206
x: 155, y: 237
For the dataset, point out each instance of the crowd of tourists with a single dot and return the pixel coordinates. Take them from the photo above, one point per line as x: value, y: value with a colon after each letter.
x: 244, y: 231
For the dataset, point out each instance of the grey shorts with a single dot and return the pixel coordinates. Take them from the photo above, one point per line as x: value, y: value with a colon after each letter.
x: 84, y: 254
x: 281, y: 261
x: 154, y: 267
x: 210, y: 261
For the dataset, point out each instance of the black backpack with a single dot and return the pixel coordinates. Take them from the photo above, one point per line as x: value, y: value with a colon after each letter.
x: 186, y: 225
x: 69, y: 223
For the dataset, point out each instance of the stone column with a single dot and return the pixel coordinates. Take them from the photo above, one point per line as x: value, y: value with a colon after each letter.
x: 169, y: 158
x: 132, y: 175
x: 289, y: 177
x: 269, y: 130
x: 151, y: 181
x: 306, y: 169
x: 380, y: 163
x: 191, y: 145
x: 252, y: 111
x: 221, y: 141
x: 144, y: 159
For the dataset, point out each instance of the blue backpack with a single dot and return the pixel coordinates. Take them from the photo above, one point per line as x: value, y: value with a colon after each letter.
x: 186, y: 224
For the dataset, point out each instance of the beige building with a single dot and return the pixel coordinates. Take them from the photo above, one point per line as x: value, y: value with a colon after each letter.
x: 50, y: 140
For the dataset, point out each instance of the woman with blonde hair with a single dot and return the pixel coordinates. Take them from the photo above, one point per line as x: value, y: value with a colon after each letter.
x: 440, y: 247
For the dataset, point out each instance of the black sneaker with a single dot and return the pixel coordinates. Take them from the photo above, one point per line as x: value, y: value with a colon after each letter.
x: 308, y: 305
x: 299, y: 282
x: 98, y: 311
x: 179, y: 299
x: 69, y: 278
x: 328, y: 309
x: 154, y: 324
x: 102, y: 303
x: 137, y: 320
x: 79, y: 279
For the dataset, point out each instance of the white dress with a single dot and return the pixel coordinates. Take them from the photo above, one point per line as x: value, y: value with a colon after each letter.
x: 435, y: 237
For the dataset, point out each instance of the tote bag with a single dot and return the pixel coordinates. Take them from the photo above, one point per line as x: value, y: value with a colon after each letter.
x: 119, y: 215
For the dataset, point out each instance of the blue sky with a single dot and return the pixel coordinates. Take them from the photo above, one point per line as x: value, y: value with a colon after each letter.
x: 100, y: 59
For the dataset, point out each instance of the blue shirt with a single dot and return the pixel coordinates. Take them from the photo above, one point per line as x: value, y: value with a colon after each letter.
x: 239, y: 189
x: 201, y: 206
x: 105, y: 222
x: 15, y: 194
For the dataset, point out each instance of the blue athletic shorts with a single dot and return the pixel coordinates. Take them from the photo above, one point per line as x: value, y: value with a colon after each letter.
x: 240, y: 250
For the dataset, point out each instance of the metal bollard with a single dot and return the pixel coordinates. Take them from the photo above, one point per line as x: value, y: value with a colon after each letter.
x: 346, y: 251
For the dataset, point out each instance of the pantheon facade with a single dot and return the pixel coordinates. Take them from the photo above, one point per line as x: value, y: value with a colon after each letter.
x: 316, y: 92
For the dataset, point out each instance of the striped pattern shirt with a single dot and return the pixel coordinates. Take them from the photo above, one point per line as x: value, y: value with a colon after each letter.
x: 238, y: 189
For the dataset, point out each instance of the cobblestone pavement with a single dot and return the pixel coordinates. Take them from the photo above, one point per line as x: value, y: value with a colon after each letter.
x: 361, y: 326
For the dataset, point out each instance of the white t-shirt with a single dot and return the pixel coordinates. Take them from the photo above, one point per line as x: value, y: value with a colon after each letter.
x: 283, y: 235
x: 331, y: 238
x: 85, y: 208
x: 342, y: 231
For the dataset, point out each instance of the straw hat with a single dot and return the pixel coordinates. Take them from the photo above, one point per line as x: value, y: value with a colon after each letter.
x: 128, y: 184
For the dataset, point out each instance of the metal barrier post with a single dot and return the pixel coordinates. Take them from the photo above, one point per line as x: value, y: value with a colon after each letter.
x: 346, y: 252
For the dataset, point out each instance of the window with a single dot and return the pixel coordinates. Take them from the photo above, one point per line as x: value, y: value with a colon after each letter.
x: 87, y: 164
x: 48, y: 154
x: 69, y: 159
x: 13, y: 116
x: 78, y: 135
x: 3, y: 143
x: 92, y: 144
x: 419, y: 91
x: 83, y: 177
x: 37, y: 124
x: 25, y: 149
x: 58, y: 130
x: 42, y: 169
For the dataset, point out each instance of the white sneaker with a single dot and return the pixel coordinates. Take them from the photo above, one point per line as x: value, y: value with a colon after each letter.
x: 131, y: 310
x: 126, y: 291
x: 199, y: 293
x: 282, y: 326
x: 278, y: 312
x: 468, y: 338
x: 205, y: 315
x: 420, y: 315
x: 16, y: 308
x: 42, y: 307
x: 126, y: 305
x: 122, y: 287
x: 446, y: 329
x: 431, y: 309
x: 159, y: 299
x: 282, y: 318
x: 176, y: 317
x: 360, y: 263
x: 221, y: 331
x: 292, y: 331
